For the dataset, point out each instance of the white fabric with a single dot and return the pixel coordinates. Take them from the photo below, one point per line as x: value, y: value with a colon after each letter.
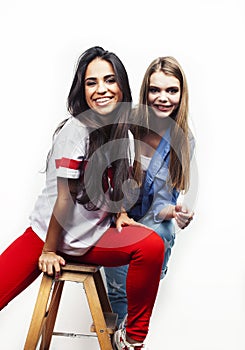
x: 85, y: 227
x: 145, y: 162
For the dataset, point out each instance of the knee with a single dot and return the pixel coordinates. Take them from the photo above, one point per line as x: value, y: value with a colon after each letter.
x: 155, y: 247
x: 158, y: 244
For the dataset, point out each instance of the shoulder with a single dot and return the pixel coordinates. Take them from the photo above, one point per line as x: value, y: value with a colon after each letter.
x: 74, y: 129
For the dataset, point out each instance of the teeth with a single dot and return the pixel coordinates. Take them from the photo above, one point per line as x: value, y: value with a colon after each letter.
x: 101, y: 100
x: 163, y: 107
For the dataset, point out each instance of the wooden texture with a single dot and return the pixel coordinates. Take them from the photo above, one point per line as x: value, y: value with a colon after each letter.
x: 48, y: 300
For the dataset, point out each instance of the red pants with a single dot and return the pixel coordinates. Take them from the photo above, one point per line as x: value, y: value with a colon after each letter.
x: 141, y: 248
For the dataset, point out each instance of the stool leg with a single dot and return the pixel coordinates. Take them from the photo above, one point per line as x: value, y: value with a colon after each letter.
x: 104, y: 300
x: 51, y: 316
x: 97, y: 314
x: 39, y: 314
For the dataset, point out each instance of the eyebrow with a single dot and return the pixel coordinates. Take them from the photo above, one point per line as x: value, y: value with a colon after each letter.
x: 170, y: 86
x: 105, y: 77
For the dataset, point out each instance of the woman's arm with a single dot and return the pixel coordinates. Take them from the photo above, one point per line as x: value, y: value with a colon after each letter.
x: 178, y: 212
x: 49, y: 261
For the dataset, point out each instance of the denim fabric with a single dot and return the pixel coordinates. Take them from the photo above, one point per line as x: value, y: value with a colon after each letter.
x: 116, y: 276
x: 155, y: 192
x: 166, y: 231
x: 154, y: 196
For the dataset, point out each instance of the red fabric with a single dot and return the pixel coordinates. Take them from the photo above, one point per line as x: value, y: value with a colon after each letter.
x: 67, y: 163
x: 143, y: 250
x: 139, y: 247
x: 18, y: 266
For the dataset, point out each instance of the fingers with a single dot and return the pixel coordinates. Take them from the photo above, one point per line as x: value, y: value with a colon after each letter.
x: 182, y: 216
x: 183, y: 222
x: 119, y: 226
x: 180, y: 221
x: 62, y: 261
x: 127, y: 222
x: 50, y: 263
x: 121, y: 221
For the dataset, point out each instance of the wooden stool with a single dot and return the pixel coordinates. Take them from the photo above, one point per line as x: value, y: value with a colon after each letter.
x: 46, y: 308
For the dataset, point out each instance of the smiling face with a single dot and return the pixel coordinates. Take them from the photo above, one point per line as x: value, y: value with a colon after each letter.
x: 102, y: 91
x: 163, y: 94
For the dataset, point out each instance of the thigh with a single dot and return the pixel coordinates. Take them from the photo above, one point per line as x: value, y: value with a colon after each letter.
x: 116, y: 249
x: 165, y: 229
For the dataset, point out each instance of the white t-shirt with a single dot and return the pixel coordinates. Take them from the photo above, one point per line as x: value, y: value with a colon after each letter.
x: 145, y: 162
x: 84, y: 227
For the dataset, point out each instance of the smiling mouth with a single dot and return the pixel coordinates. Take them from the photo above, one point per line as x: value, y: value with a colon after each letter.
x: 163, y: 108
x: 101, y: 101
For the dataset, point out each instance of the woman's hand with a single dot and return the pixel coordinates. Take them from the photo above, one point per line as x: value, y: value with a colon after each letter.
x: 182, y: 216
x: 124, y: 220
x: 49, y: 262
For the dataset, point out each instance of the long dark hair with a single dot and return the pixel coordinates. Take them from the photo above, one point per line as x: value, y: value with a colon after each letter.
x: 98, y: 157
x: 76, y: 99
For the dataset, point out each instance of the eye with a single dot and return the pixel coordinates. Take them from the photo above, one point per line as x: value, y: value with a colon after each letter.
x: 111, y: 80
x: 173, y: 90
x: 90, y: 83
x: 153, y: 89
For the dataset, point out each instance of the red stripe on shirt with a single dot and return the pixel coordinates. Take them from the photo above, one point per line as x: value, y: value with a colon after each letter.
x: 67, y: 163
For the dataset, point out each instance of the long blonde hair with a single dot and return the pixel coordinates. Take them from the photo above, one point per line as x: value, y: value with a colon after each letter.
x: 179, y: 166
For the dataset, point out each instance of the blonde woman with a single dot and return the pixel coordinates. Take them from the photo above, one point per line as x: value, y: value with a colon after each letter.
x: 164, y: 144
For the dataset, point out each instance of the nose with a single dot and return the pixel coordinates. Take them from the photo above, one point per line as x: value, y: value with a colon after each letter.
x: 101, y: 87
x: 163, y: 96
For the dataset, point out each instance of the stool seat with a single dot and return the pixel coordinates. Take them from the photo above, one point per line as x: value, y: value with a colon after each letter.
x: 48, y: 300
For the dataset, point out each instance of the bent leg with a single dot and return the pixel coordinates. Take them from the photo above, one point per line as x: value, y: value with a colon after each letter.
x: 116, y: 276
x: 18, y: 266
x: 143, y: 250
x: 166, y: 231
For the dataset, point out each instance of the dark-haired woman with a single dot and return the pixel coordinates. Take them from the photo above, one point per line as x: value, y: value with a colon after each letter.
x: 89, y: 180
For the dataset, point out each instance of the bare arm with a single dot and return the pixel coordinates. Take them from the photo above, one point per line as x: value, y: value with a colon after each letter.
x: 49, y: 261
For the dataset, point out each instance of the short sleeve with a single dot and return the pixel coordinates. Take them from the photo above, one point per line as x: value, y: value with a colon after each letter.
x: 69, y: 149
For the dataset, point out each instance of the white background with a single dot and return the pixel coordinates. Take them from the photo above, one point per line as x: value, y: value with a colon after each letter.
x: 200, y: 305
